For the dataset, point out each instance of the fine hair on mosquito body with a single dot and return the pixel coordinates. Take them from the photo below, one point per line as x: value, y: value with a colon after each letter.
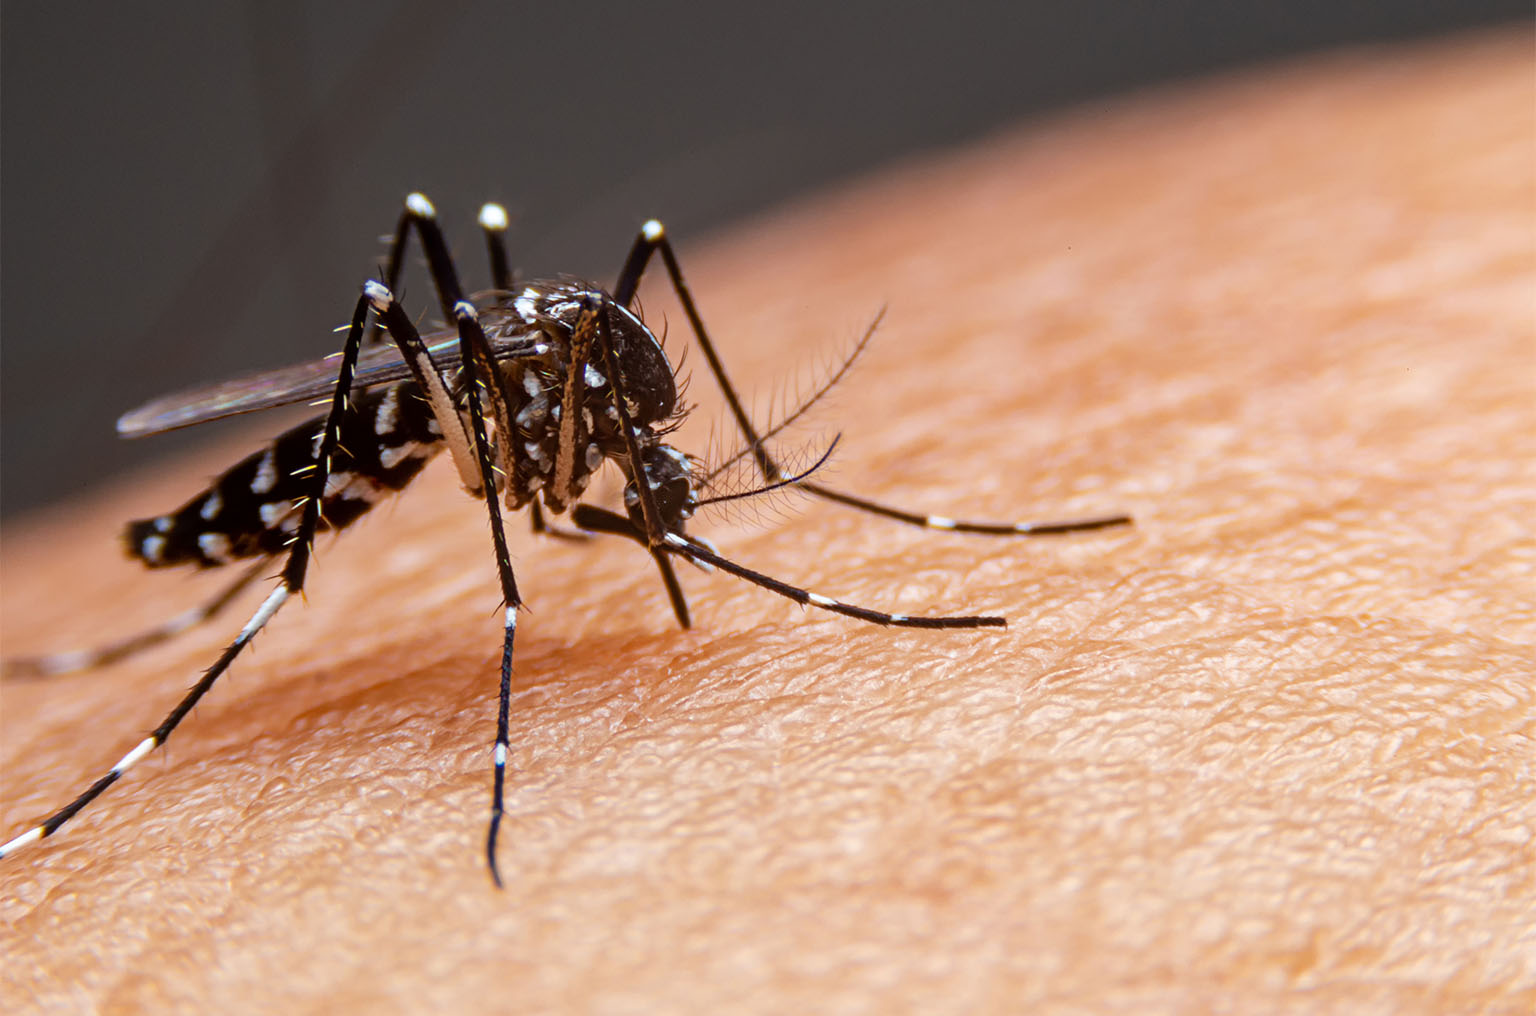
x: 532, y: 388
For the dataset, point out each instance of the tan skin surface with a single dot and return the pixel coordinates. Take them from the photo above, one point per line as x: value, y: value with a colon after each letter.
x: 1272, y: 748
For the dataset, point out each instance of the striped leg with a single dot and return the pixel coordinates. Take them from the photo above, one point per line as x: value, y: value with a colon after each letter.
x: 694, y: 551
x: 421, y: 216
x: 416, y: 211
x: 479, y: 365
x: 87, y: 659
x: 292, y: 582
x: 601, y: 520
x: 493, y: 223
x: 653, y: 240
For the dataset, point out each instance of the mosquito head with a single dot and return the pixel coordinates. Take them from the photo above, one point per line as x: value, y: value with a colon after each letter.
x: 669, y: 474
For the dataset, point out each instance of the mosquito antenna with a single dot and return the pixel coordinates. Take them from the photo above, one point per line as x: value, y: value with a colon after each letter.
x: 806, y: 405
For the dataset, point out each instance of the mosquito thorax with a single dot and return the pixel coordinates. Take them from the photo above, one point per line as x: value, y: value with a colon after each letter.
x: 648, y: 381
x: 537, y: 387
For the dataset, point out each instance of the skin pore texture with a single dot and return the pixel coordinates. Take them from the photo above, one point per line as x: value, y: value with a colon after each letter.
x: 1271, y: 748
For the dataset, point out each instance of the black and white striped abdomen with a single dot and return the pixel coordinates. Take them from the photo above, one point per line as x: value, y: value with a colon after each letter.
x: 249, y: 511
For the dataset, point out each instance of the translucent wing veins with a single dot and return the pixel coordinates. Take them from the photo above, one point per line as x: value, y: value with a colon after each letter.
x: 304, y: 382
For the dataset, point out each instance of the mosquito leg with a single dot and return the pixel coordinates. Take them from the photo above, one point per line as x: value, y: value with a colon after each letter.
x: 478, y: 361
x: 684, y: 547
x: 601, y: 520
x: 86, y: 659
x: 943, y: 522
x: 493, y: 223
x: 652, y: 240
x: 509, y: 597
x: 416, y: 208
x: 292, y: 582
x: 554, y: 530
x: 478, y: 364
x: 691, y: 549
x: 598, y: 309
x: 420, y: 214
x: 536, y: 517
x: 674, y: 589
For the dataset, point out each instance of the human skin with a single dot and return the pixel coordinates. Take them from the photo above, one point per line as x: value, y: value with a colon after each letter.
x: 1269, y: 749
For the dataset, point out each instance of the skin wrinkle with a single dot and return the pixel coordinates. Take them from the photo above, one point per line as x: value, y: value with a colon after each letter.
x: 1271, y: 749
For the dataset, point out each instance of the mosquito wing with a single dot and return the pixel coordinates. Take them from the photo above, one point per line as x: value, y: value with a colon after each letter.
x: 305, y: 382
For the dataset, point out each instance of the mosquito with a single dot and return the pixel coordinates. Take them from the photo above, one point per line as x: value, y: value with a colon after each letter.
x: 532, y: 390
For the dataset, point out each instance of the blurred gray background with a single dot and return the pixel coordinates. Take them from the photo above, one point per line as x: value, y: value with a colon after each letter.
x: 192, y: 190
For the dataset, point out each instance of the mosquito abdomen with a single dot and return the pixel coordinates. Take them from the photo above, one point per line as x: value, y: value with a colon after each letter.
x: 252, y: 509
